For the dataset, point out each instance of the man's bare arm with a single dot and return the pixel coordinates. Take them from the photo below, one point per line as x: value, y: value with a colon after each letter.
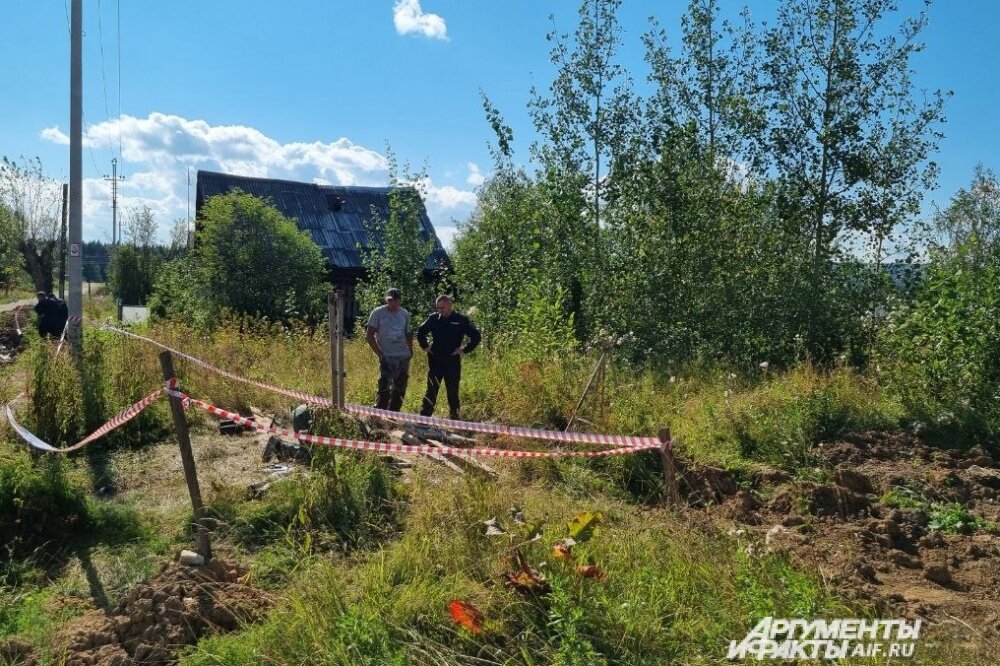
x: 370, y: 337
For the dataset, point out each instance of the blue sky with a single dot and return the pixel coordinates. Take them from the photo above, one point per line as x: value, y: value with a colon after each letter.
x: 314, y: 90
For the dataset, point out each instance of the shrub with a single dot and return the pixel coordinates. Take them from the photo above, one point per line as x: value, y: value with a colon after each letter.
x: 942, y: 354
x: 58, y: 413
x: 131, y: 273
x: 248, y: 258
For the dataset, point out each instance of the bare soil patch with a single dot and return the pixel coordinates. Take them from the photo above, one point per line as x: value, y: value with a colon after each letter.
x: 158, y: 617
x: 848, y: 530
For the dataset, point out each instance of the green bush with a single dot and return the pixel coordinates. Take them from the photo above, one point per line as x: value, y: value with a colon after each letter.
x: 58, y: 411
x: 38, y: 504
x: 131, y: 273
x: 942, y: 354
x: 248, y: 258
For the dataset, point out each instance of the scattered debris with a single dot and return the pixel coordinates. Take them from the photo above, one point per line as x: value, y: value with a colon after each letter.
x: 494, y: 528
x: 523, y: 578
x: 302, y: 418
x: 282, y: 450
x: 466, y: 615
x: 191, y: 558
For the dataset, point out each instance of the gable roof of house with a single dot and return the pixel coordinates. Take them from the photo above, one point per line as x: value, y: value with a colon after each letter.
x: 335, y: 216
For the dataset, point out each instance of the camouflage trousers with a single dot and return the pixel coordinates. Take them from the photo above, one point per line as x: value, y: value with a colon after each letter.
x: 393, y: 375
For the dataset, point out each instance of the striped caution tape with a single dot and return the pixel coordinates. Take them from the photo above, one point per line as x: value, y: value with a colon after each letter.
x: 17, y: 323
x: 62, y: 338
x: 392, y: 447
x: 623, y: 441
x: 117, y: 421
x: 298, y: 395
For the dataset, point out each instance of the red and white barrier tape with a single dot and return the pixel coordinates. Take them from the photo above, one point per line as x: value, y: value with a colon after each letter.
x: 62, y: 338
x: 392, y: 447
x: 623, y: 441
x: 118, y: 420
x: 298, y: 395
x: 17, y: 323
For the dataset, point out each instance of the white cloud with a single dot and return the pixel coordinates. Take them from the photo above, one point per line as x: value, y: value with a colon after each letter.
x: 446, y: 234
x: 475, y: 175
x: 446, y: 203
x: 410, y: 18
x: 158, y: 150
x: 55, y: 135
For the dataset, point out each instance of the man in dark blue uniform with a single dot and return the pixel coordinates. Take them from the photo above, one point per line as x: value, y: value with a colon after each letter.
x: 444, y: 354
x: 63, y: 314
x: 48, y: 316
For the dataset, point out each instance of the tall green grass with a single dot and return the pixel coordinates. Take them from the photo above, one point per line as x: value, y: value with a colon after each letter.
x: 671, y: 595
x: 716, y: 417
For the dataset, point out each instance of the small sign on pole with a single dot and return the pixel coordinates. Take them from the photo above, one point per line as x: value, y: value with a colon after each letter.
x: 74, y: 249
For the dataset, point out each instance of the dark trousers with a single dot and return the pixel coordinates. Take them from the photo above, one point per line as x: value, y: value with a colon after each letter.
x: 449, y: 371
x: 393, y: 375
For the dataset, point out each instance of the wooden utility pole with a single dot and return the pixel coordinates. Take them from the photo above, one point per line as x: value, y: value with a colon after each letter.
x: 669, y: 467
x: 335, y: 308
x: 187, y: 458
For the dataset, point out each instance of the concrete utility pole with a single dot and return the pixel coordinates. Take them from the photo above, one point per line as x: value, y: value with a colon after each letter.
x: 116, y: 232
x: 75, y: 257
x: 62, y: 243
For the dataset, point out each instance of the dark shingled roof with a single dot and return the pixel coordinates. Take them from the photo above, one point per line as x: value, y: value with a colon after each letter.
x: 334, y: 216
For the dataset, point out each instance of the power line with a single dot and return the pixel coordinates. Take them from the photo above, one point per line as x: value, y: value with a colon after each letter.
x: 86, y: 127
x: 119, y: 78
x: 104, y: 77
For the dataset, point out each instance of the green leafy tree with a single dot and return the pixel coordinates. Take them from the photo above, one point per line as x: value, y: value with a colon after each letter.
x: 942, y: 354
x: 133, y: 266
x: 248, y: 258
x: 711, y: 85
x: 586, y: 122
x: 942, y: 351
x: 398, y: 249
x: 130, y: 277
x: 505, y: 239
x: 973, y: 213
x: 30, y: 206
x: 847, y: 138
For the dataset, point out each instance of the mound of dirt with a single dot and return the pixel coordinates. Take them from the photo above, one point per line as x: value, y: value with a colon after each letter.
x: 868, y: 527
x: 11, y: 344
x: 161, y: 615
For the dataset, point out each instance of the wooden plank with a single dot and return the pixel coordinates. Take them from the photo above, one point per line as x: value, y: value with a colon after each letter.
x: 468, y: 462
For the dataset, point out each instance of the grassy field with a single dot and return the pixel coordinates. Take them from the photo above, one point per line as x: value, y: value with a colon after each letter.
x: 363, y: 560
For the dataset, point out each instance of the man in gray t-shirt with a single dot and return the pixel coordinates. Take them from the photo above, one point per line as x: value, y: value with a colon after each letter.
x: 391, y: 339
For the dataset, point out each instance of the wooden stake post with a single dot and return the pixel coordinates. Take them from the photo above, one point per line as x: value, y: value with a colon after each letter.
x: 187, y: 457
x: 335, y: 306
x: 669, y: 469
